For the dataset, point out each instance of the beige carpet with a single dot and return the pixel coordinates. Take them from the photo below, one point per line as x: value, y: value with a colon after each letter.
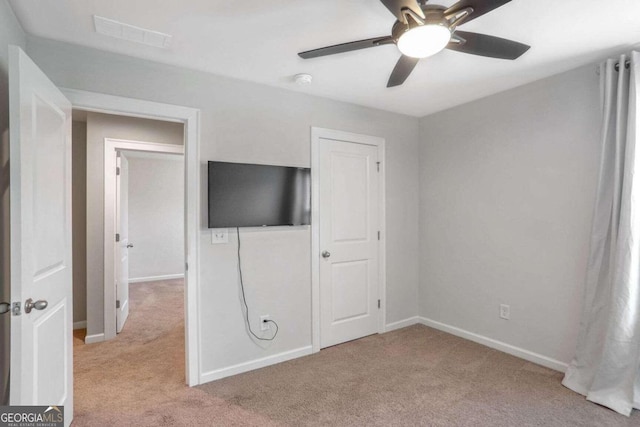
x: 414, y: 376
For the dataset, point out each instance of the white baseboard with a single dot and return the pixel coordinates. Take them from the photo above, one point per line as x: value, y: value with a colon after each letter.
x: 156, y: 278
x: 530, y: 356
x: 92, y: 339
x: 80, y: 325
x: 402, y: 323
x: 254, y: 364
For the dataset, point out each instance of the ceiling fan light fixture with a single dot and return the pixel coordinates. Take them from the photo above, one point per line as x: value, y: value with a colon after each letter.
x: 424, y: 40
x: 423, y: 29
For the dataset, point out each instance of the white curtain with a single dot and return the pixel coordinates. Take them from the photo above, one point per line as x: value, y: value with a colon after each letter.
x: 606, y: 368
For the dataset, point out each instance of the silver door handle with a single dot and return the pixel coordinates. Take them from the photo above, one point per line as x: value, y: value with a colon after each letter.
x: 38, y: 305
x: 130, y: 245
x: 5, y: 307
x: 326, y: 254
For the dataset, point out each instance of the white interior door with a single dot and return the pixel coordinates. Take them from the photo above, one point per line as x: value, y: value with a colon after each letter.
x: 123, y: 245
x: 41, y: 280
x: 349, y: 225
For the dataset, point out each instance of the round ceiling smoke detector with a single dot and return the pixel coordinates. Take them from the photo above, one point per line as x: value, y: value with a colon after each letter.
x: 303, y: 79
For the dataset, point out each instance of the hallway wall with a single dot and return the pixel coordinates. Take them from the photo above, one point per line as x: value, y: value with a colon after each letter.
x: 156, y: 217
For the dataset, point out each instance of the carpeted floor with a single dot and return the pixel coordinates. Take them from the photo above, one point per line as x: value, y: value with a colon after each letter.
x: 413, y: 376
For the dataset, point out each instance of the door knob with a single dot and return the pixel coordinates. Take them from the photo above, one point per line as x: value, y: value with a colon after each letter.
x: 38, y: 305
x: 129, y: 245
x: 326, y: 254
x: 5, y: 307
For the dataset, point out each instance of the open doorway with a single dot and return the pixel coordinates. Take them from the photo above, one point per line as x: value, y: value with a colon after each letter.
x: 157, y: 184
x: 149, y: 208
x: 144, y: 204
x: 94, y: 188
x: 190, y: 119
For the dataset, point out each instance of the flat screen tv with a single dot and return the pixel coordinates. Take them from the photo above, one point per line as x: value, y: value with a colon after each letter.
x: 247, y: 195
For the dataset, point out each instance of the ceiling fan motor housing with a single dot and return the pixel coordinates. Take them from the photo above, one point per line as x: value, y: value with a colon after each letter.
x: 434, y: 15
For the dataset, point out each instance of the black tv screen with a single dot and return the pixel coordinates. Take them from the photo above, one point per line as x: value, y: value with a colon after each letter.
x: 247, y: 195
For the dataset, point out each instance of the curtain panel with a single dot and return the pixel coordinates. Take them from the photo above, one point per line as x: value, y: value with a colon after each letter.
x: 606, y: 367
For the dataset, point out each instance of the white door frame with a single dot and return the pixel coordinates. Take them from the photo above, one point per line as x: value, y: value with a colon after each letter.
x: 190, y: 117
x: 111, y: 148
x: 317, y: 135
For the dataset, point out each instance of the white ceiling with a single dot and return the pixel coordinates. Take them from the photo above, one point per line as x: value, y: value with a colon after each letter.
x: 259, y: 40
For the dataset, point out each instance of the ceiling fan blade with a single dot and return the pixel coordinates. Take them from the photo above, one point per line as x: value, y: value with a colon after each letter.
x: 396, y: 6
x: 403, y: 68
x: 480, y: 7
x: 484, y: 45
x: 345, y: 47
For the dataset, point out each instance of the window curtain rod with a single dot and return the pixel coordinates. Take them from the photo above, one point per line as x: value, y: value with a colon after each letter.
x: 627, y: 64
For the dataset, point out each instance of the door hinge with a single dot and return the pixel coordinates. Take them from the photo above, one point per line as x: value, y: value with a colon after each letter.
x: 378, y: 165
x: 378, y: 303
x: 378, y: 235
x: 117, y: 237
x: 186, y: 266
x: 117, y: 303
x: 117, y: 171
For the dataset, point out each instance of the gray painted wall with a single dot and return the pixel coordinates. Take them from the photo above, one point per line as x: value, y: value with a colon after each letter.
x: 254, y: 123
x: 156, y: 217
x: 99, y: 127
x: 10, y: 33
x: 507, y: 191
x: 79, y: 215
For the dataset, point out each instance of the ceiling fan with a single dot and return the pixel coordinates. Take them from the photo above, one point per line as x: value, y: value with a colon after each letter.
x: 422, y: 30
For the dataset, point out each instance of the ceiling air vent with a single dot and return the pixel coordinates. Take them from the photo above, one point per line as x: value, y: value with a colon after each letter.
x: 119, y: 30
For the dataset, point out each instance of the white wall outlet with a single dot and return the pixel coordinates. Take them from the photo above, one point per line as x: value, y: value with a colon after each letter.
x: 219, y: 236
x: 264, y: 324
x: 505, y: 311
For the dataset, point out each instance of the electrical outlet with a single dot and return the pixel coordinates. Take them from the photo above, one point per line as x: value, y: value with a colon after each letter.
x: 219, y: 236
x: 505, y: 311
x: 264, y: 324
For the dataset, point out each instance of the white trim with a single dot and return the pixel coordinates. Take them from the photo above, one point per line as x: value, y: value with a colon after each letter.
x: 317, y: 135
x: 103, y: 103
x: 92, y: 339
x: 530, y: 356
x: 382, y: 249
x: 402, y: 323
x: 256, y: 364
x: 190, y: 117
x: 82, y: 324
x: 315, y: 242
x: 156, y: 278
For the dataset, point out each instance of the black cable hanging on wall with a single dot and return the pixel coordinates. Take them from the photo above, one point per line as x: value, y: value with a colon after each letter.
x: 244, y: 299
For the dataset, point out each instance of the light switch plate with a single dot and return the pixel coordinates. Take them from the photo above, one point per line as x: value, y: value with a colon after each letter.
x: 219, y: 236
